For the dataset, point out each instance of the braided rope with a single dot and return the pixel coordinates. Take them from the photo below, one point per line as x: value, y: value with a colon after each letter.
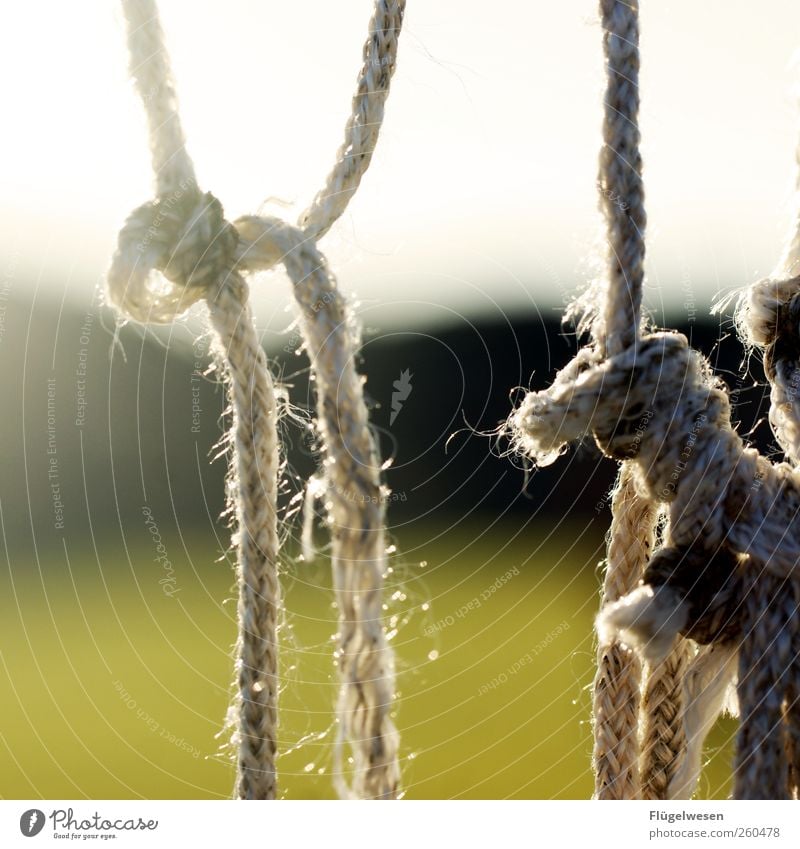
x: 663, y: 732
x: 616, y: 327
x: 653, y: 402
x: 617, y: 680
x: 254, y: 476
x: 765, y: 658
x: 617, y: 683
x: 178, y: 250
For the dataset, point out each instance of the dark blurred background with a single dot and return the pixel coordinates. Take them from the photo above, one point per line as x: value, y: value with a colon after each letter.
x: 117, y: 654
x: 475, y: 226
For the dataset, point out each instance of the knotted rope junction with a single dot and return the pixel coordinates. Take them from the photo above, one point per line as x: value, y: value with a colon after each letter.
x: 726, y: 576
x: 177, y: 250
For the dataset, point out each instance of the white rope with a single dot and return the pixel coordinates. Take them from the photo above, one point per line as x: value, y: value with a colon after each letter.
x: 177, y: 250
x: 365, y: 121
x: 767, y: 318
x: 622, y: 771
x: 733, y: 545
x: 617, y: 684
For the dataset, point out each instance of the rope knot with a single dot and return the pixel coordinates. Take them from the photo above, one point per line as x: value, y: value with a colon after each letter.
x: 692, y: 591
x: 710, y: 585
x: 186, y: 238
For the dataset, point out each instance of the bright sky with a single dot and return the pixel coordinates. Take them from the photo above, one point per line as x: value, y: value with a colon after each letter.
x: 481, y: 195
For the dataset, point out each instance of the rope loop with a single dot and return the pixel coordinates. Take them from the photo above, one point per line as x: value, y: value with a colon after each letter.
x: 179, y: 249
x: 171, y: 252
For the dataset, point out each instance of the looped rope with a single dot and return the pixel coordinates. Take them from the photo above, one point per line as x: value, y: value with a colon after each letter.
x: 728, y: 572
x: 184, y: 237
x: 656, y: 404
x: 614, y: 315
x: 178, y: 250
x: 709, y: 588
x: 660, y: 404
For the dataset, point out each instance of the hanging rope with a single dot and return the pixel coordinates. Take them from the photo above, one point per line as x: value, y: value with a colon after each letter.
x: 200, y: 256
x: 726, y: 575
x: 618, y: 695
x: 617, y: 683
x: 767, y: 318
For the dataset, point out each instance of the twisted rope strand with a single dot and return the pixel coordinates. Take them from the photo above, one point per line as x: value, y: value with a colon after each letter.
x: 254, y: 482
x: 616, y: 684
x: 792, y: 705
x: 184, y: 235
x: 356, y: 507
x: 150, y: 68
x: 622, y: 200
x: 663, y: 732
x: 365, y: 121
x: 765, y: 661
x: 706, y: 693
x: 179, y: 249
x: 620, y: 179
x: 616, y: 328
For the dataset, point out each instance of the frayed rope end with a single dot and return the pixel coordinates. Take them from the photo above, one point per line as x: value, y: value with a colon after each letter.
x: 647, y: 620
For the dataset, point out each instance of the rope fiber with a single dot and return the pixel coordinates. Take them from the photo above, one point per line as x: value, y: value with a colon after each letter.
x: 721, y: 590
x: 178, y: 250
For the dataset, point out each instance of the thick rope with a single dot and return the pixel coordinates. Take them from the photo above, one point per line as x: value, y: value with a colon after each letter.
x: 792, y: 706
x: 707, y: 690
x: 356, y: 499
x: 365, y: 121
x: 765, y: 660
x: 178, y: 250
x: 616, y: 327
x: 254, y: 480
x: 617, y: 680
x: 620, y: 180
x: 663, y: 732
x: 767, y: 318
x: 731, y: 513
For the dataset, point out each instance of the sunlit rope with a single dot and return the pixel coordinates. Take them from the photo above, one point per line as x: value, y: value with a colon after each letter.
x: 177, y: 250
x: 724, y: 582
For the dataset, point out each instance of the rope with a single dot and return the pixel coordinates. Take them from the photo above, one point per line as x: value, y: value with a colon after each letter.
x: 617, y: 681
x: 620, y: 179
x: 616, y: 327
x: 767, y: 318
x: 177, y: 250
x: 617, y: 684
x: 363, y: 125
x: 733, y: 545
x: 254, y: 475
x: 663, y: 732
x: 357, y: 507
x: 765, y: 658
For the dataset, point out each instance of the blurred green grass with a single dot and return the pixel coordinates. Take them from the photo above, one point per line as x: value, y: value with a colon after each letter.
x: 112, y: 689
